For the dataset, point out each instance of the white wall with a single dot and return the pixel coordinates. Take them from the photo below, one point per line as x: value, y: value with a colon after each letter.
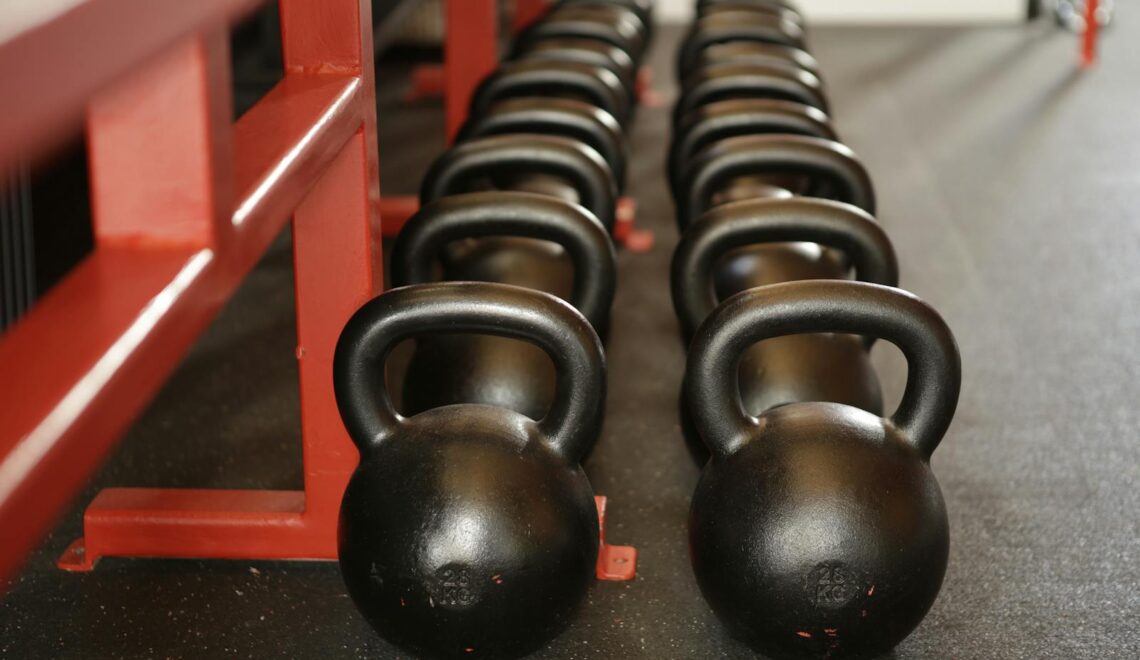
x: 916, y: 12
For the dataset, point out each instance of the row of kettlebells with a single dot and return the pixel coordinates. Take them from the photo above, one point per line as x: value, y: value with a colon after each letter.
x: 469, y: 528
x: 817, y: 528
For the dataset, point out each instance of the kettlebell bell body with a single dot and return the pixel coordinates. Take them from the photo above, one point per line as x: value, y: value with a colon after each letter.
x: 468, y: 531
x: 818, y: 529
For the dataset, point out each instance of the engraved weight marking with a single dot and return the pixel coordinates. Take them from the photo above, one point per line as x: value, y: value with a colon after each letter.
x: 832, y: 584
x: 454, y: 587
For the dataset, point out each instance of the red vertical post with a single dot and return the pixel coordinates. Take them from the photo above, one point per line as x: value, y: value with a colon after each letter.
x: 159, y: 147
x: 336, y: 247
x: 527, y: 12
x: 1092, y: 30
x: 470, y: 52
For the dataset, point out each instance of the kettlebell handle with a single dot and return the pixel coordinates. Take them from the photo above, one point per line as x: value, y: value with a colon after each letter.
x: 706, y: 32
x: 575, y: 414
x: 528, y: 78
x: 527, y: 215
x: 735, y: 117
x: 934, y: 370
x: 727, y: 80
x: 751, y: 155
x: 580, y: 165
x: 569, y: 118
x: 739, y: 224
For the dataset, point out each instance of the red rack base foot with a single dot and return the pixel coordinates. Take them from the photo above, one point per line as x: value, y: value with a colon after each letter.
x: 74, y: 559
x: 616, y: 563
x: 626, y: 232
x: 238, y: 524
x: 428, y: 82
x: 200, y: 523
x: 647, y: 96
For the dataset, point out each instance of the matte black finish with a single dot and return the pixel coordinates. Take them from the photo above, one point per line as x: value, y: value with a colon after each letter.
x: 756, y: 52
x: 764, y: 9
x: 612, y: 24
x: 469, y: 531
x: 730, y: 26
x: 559, y: 79
x: 719, y: 82
x: 724, y: 119
x: 568, y: 118
x: 581, y: 50
x: 770, y: 6
x: 523, y: 239
x: 818, y: 529
x: 643, y: 8
x: 835, y: 171
x: 506, y: 158
x: 628, y: 17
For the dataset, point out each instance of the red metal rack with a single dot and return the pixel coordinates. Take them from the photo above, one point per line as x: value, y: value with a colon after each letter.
x: 469, y: 54
x: 1092, y: 32
x: 185, y: 201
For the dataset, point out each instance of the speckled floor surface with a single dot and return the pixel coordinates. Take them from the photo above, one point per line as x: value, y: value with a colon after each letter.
x: 1010, y: 185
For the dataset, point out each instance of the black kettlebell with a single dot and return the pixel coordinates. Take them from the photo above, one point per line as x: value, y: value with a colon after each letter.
x: 719, y: 82
x: 513, y: 238
x: 831, y: 169
x: 709, y: 123
x: 818, y: 529
x: 642, y: 8
x: 703, y: 6
x: 614, y: 25
x: 769, y: 10
x: 730, y: 26
x: 468, y: 530
x: 581, y: 50
x: 743, y: 245
x: 557, y: 79
x: 568, y: 118
x: 561, y: 167
x: 755, y: 52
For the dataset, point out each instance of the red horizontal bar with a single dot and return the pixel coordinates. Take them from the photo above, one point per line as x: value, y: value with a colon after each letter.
x: 204, y: 523
x: 74, y: 374
x: 90, y: 354
x: 55, y: 56
x: 284, y: 144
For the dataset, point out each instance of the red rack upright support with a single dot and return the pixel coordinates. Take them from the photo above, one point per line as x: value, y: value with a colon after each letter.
x: 1092, y: 32
x: 185, y: 202
x: 470, y: 52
